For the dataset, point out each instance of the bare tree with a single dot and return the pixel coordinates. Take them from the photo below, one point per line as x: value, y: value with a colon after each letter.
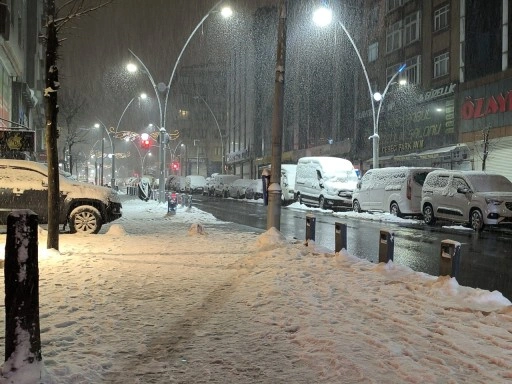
x: 56, y: 19
x: 72, y: 107
x: 484, y: 150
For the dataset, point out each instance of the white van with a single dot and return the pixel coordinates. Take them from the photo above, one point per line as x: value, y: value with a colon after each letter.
x: 325, y: 181
x: 395, y: 189
x: 288, y: 174
x: 221, y: 183
x: 195, y: 184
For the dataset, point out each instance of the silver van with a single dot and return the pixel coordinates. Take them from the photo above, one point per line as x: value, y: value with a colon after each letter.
x: 396, y: 190
x: 467, y: 197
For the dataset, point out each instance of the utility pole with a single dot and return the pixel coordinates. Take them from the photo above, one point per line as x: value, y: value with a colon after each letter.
x: 274, y: 189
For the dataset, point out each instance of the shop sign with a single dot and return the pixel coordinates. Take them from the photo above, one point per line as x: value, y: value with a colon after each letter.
x: 17, y: 141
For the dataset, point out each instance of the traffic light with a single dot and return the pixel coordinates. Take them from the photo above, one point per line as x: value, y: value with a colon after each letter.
x: 175, y: 165
x: 144, y: 141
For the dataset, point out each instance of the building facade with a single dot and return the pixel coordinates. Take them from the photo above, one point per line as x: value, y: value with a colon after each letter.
x: 21, y: 78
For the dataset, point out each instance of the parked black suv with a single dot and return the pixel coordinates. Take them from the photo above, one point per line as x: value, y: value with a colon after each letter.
x: 85, y: 207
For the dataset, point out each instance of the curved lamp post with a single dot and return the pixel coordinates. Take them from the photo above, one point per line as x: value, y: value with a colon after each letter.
x: 218, y: 128
x: 102, y: 146
x: 161, y: 88
x: 323, y: 17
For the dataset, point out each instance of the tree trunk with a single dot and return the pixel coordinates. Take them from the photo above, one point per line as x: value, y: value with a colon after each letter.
x: 486, y: 148
x: 51, y: 110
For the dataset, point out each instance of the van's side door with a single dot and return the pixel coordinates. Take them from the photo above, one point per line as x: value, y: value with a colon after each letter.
x: 457, y: 202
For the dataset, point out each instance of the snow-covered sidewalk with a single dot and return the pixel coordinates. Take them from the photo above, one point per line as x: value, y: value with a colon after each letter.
x: 152, y: 300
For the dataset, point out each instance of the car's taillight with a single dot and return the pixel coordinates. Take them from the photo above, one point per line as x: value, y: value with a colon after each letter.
x: 409, y: 189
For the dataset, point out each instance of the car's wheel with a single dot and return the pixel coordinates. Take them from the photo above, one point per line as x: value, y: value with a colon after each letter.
x: 394, y: 209
x: 321, y: 202
x: 428, y: 215
x: 85, y: 219
x: 356, y: 207
x: 476, y: 220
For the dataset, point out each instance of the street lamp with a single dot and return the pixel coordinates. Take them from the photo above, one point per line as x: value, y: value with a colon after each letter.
x: 197, y: 154
x: 142, y: 96
x: 218, y: 128
x: 102, y: 138
x: 323, y: 17
x: 162, y: 87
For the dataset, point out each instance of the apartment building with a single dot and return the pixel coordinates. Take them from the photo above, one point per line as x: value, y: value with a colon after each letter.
x: 21, y: 78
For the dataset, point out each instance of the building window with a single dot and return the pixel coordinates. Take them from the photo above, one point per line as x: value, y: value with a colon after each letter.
x: 412, y: 28
x: 394, y: 37
x: 412, y: 70
x: 373, y: 17
x: 394, y: 4
x: 373, y: 52
x: 441, y: 17
x: 441, y: 65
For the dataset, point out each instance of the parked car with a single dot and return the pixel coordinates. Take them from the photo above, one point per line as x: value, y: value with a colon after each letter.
x: 85, y: 207
x: 175, y: 183
x: 467, y: 197
x: 396, y: 190
x: 238, y: 187
x: 195, y: 184
x: 221, y: 184
x: 254, y: 190
x: 325, y: 182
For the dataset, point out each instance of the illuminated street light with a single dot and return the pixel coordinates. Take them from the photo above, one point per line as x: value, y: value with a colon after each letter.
x: 323, y: 17
x: 218, y: 128
x: 163, y: 88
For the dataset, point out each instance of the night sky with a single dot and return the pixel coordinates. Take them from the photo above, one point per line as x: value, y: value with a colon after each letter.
x: 95, y: 52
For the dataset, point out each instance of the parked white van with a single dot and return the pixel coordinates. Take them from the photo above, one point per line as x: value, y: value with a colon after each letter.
x: 288, y: 174
x: 396, y: 190
x: 325, y: 182
x: 221, y: 183
x: 195, y: 184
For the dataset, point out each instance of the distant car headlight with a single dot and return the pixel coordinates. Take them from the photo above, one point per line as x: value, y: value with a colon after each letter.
x: 492, y: 201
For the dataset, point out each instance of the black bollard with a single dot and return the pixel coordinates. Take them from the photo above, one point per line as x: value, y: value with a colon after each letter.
x: 340, y: 237
x: 310, y: 227
x: 386, y: 246
x: 21, y: 288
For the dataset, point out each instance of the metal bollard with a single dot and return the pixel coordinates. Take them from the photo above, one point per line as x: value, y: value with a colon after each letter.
x: 310, y: 227
x: 386, y: 246
x: 171, y: 204
x: 22, y: 288
x: 450, y: 258
x: 189, y: 201
x: 340, y: 236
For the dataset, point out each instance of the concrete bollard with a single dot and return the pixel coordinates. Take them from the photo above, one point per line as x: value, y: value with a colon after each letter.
x: 386, y: 246
x: 189, y: 204
x: 310, y: 227
x: 450, y: 258
x: 21, y: 292
x: 340, y: 237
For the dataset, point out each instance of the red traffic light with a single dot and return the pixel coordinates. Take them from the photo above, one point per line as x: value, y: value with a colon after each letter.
x: 144, y: 141
x: 175, y: 166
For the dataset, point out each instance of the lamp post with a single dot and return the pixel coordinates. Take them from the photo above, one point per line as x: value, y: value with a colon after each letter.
x: 162, y: 87
x: 218, y: 128
x: 197, y: 155
x: 274, y: 189
x: 142, y: 96
x: 323, y: 17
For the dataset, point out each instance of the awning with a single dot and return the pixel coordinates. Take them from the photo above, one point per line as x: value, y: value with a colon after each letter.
x: 428, y: 154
